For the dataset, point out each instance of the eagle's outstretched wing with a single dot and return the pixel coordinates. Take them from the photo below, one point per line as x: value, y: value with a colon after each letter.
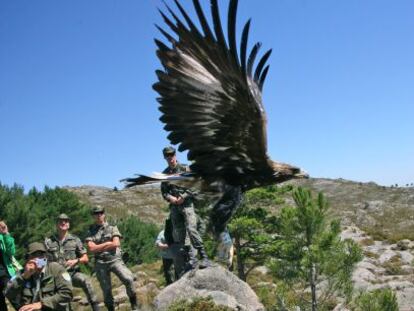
x: 210, y: 97
x: 140, y: 179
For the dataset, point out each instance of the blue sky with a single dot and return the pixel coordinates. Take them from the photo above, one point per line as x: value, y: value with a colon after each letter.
x: 77, y: 106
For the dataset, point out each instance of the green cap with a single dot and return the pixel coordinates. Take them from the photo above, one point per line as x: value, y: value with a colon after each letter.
x: 98, y: 209
x: 168, y: 150
x: 36, y: 247
x: 63, y: 216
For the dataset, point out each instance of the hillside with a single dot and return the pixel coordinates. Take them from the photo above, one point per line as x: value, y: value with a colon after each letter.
x: 383, y: 212
x: 144, y: 202
x: 378, y: 218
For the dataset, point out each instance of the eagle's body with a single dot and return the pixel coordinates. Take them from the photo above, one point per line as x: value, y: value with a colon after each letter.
x: 211, y: 104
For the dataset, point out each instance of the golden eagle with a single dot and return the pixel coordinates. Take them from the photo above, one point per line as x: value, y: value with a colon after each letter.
x: 211, y: 103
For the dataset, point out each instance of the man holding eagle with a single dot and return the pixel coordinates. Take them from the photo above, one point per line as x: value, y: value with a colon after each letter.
x: 210, y: 96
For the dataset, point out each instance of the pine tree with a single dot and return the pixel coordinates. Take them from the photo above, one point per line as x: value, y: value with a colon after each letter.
x: 308, y: 249
x: 251, y: 228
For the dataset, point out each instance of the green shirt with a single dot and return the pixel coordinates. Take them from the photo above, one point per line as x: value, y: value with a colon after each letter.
x: 61, y: 251
x: 103, y: 233
x: 172, y: 189
x: 8, y: 250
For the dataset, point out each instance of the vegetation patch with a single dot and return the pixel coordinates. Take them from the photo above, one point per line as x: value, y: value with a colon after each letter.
x: 393, y: 266
x: 378, y: 300
x: 198, y: 304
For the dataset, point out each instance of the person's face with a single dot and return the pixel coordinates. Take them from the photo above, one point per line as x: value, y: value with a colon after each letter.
x: 38, y: 259
x: 99, y: 217
x: 63, y: 224
x: 3, y: 227
x: 171, y: 159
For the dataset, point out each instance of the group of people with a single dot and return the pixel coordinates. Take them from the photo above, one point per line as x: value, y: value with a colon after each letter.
x: 52, y: 266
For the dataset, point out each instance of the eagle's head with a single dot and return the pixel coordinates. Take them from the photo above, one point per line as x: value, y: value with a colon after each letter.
x: 283, y: 172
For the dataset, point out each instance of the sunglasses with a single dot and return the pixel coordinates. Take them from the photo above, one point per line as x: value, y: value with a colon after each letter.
x: 169, y: 155
x: 98, y: 213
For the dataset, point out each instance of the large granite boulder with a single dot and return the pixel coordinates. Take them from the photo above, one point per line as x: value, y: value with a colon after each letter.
x: 223, y: 286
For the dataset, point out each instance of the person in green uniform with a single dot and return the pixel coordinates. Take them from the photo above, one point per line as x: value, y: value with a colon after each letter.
x: 103, y: 241
x: 7, y: 271
x: 68, y: 250
x: 182, y: 215
x: 42, y: 285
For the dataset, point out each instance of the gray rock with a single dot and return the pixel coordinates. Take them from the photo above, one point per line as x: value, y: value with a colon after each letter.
x: 403, y: 245
x: 223, y: 286
x: 340, y: 307
x: 406, y: 299
x: 262, y: 269
x: 406, y: 257
x: 386, y: 256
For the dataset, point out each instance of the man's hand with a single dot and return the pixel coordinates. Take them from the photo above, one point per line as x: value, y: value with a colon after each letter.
x: 176, y: 200
x: 71, y: 263
x: 162, y: 246
x: 30, y: 268
x: 91, y: 246
x: 32, y: 307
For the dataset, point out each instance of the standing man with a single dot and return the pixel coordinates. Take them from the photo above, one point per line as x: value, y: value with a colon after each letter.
x: 182, y: 214
x: 7, y: 251
x: 68, y: 250
x: 103, y: 241
x: 43, y: 285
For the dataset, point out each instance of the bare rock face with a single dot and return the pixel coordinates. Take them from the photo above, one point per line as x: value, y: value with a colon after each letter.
x: 223, y: 286
x: 384, y: 266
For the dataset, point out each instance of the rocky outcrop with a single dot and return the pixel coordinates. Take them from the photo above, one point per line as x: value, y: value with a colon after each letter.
x: 386, y: 212
x: 223, y: 286
x: 384, y: 265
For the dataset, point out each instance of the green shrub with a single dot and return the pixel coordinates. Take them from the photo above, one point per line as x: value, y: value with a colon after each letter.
x: 198, y: 304
x: 378, y: 300
x: 138, y: 243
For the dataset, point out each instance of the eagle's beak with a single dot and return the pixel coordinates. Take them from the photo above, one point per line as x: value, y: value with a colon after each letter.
x: 301, y: 174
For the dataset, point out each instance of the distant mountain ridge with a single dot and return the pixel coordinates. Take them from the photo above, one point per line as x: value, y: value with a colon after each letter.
x: 385, y: 212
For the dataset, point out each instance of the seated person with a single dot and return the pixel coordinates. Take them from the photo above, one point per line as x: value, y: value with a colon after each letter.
x: 42, y: 285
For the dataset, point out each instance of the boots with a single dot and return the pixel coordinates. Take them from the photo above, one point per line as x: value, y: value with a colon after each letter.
x: 204, y: 261
x: 95, y: 306
x: 110, y: 307
x: 134, y: 303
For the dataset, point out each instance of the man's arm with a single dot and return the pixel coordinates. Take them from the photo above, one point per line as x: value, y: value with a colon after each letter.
x: 81, y: 254
x: 105, y: 246
x: 9, y: 244
x: 165, y: 191
x: 16, y: 285
x: 167, y: 196
x: 8, y: 239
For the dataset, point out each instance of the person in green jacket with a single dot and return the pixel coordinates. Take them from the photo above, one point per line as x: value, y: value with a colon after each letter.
x: 42, y: 285
x: 7, y: 250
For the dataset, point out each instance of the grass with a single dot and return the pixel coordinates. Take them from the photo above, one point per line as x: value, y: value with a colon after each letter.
x: 366, y: 242
x: 370, y: 254
x: 393, y: 266
x: 199, y: 304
